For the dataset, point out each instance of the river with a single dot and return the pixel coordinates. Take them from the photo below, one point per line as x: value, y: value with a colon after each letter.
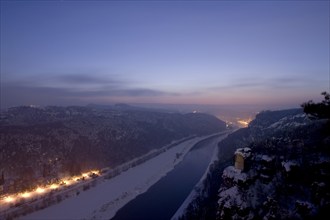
x: 163, y: 199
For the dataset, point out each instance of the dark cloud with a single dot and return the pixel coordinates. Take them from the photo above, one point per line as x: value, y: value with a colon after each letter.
x: 85, y: 79
x: 17, y: 93
x: 27, y: 92
x: 121, y: 92
x: 290, y: 82
x: 239, y: 84
x: 146, y: 92
x: 263, y: 83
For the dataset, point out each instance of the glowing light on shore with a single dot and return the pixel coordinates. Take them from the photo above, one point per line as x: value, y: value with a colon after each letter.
x: 85, y: 174
x: 40, y: 190
x: 9, y: 199
x: 45, y: 189
x: 26, y: 195
x: 95, y: 171
x: 53, y: 186
x: 67, y: 182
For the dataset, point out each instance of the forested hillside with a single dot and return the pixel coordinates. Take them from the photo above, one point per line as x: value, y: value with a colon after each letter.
x: 41, y: 144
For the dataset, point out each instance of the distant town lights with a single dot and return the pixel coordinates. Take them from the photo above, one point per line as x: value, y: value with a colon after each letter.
x: 244, y: 123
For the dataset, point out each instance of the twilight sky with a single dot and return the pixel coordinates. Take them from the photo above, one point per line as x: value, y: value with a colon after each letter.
x: 189, y: 52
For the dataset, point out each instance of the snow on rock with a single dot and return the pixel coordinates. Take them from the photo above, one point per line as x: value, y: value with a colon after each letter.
x: 230, y: 172
x: 287, y: 165
x: 290, y: 122
x: 305, y: 208
x: 231, y: 202
x: 267, y: 158
x: 244, y: 152
x: 104, y: 200
x: 230, y: 196
x: 234, y: 174
x: 321, y: 160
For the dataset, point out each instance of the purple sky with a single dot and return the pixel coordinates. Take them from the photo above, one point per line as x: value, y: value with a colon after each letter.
x: 188, y: 52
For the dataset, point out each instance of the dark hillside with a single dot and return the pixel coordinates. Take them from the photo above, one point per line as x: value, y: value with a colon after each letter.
x: 55, y: 141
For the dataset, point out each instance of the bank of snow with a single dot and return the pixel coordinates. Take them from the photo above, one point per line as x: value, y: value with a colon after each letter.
x: 104, y: 200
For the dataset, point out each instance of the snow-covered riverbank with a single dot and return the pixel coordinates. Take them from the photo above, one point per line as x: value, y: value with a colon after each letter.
x: 194, y: 193
x: 104, y: 200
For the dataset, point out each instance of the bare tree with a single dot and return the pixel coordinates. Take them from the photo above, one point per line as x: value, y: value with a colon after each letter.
x: 318, y: 110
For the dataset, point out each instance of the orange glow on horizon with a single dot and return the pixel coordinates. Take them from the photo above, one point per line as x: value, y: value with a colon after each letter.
x: 244, y: 123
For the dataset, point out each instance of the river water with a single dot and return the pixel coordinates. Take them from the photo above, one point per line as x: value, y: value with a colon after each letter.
x: 163, y: 198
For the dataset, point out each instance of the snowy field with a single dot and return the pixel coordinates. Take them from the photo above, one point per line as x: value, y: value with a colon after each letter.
x: 107, y: 197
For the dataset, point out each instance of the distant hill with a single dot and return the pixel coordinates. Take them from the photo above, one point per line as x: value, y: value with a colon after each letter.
x: 51, y: 141
x: 127, y: 107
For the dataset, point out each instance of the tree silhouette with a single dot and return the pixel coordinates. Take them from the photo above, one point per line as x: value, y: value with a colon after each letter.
x: 318, y: 110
